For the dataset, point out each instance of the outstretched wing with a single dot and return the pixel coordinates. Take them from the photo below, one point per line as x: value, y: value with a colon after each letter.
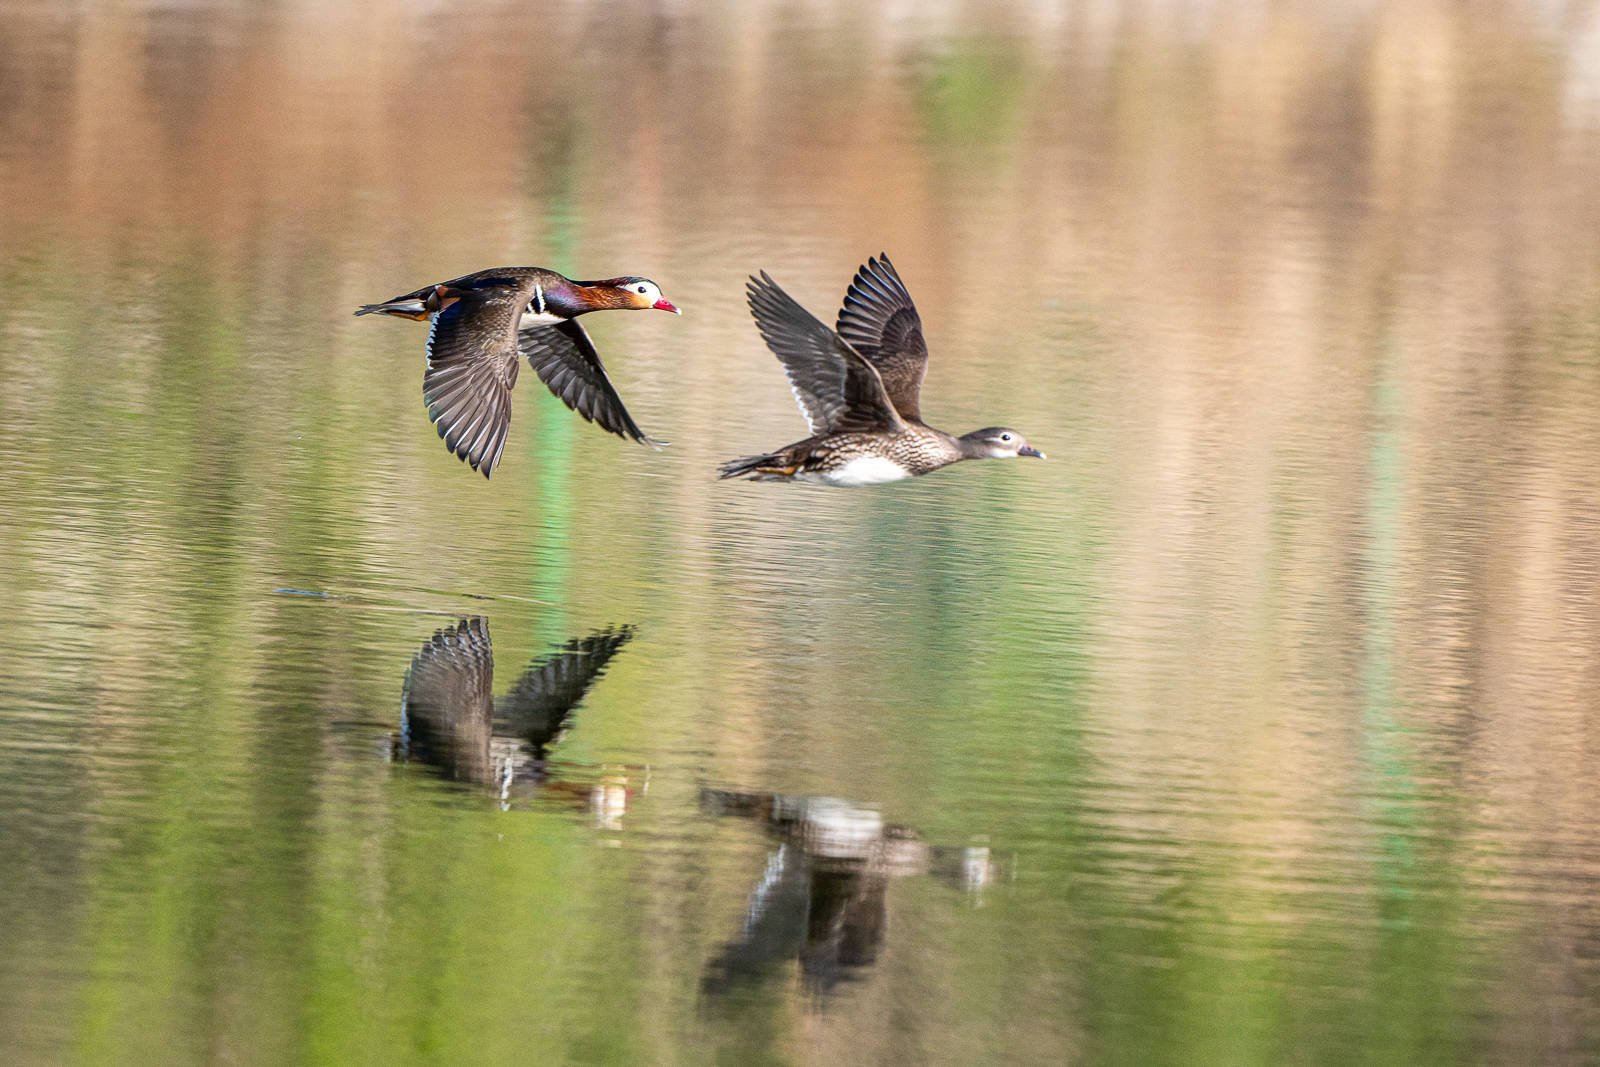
x: 448, y: 702
x: 879, y: 321
x: 565, y: 360
x: 537, y: 707
x: 836, y: 389
x: 472, y: 367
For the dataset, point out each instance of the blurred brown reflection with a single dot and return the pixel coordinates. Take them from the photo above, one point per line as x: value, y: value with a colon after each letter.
x: 822, y: 899
x: 451, y: 720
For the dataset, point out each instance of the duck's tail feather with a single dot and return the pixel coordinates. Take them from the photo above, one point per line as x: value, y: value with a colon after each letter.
x: 410, y: 308
x: 767, y: 465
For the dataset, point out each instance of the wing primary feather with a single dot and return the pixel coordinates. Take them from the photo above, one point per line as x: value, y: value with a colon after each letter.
x: 465, y: 414
x: 475, y: 434
x: 566, y: 361
x: 834, y: 387
x: 451, y: 393
x: 499, y: 447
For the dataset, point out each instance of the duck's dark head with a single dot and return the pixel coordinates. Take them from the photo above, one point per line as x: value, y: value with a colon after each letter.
x: 997, y: 442
x: 629, y: 293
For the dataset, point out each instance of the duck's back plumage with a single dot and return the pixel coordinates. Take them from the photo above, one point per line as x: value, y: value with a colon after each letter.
x: 421, y: 303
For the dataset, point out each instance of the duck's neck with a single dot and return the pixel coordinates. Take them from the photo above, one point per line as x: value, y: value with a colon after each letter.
x: 971, y: 447
x: 580, y: 298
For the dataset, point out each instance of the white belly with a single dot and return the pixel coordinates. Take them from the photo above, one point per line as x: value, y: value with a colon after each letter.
x: 868, y: 470
x: 534, y: 320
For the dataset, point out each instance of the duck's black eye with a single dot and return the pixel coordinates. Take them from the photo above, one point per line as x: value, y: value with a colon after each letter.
x: 1005, y: 437
x: 641, y: 288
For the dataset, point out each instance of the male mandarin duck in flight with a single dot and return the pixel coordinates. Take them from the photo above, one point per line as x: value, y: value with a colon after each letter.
x: 483, y: 323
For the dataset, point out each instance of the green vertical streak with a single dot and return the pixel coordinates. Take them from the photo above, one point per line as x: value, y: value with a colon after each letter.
x: 1417, y: 964
x: 1392, y: 783
x: 552, y: 446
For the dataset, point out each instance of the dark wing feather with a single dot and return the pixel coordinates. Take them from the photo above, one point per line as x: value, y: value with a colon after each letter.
x: 537, y: 707
x: 472, y: 367
x: 879, y: 321
x: 448, y: 701
x: 836, y: 389
x: 566, y: 361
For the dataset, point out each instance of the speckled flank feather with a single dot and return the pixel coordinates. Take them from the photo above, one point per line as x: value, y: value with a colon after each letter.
x: 851, y: 459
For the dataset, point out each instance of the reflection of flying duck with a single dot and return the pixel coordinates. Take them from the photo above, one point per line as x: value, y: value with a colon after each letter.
x: 451, y: 720
x: 821, y: 899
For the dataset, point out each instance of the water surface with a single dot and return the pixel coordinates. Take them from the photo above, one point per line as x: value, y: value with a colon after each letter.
x: 1257, y: 725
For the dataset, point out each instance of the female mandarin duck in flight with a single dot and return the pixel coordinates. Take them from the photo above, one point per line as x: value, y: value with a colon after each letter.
x: 859, y: 387
x: 483, y: 322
